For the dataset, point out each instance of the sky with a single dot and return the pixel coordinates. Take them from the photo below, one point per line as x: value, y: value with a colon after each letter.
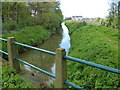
x: 85, y: 8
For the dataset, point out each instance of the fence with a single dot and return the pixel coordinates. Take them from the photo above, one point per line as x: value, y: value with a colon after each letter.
x: 60, y: 60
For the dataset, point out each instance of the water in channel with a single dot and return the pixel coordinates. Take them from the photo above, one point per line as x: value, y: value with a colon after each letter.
x: 43, y: 60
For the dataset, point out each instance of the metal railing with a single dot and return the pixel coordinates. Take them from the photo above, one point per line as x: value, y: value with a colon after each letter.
x: 60, y: 55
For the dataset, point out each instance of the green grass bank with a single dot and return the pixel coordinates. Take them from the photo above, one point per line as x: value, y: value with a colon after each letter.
x: 29, y: 35
x: 98, y: 44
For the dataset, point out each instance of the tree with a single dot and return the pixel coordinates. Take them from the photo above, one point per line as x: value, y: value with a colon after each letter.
x: 47, y: 14
x: 21, y: 14
x: 119, y: 15
x: 15, y: 13
x: 68, y: 18
x: 98, y: 19
x: 113, y: 14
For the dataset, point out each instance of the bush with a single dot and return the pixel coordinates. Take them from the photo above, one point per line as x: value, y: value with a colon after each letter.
x: 9, y: 26
x: 29, y: 35
x: 10, y: 79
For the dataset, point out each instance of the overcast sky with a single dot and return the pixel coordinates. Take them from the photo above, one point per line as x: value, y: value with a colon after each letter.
x: 85, y: 8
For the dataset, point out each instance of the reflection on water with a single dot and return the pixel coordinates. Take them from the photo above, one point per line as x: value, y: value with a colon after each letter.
x: 65, y: 43
x: 43, y: 60
x: 53, y: 69
x: 27, y: 67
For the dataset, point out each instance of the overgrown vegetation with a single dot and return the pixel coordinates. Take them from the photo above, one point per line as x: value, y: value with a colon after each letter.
x: 10, y: 79
x: 29, y: 35
x: 98, y: 44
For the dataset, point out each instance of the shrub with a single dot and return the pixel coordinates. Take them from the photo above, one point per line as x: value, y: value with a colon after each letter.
x: 29, y: 35
x: 10, y: 26
x: 10, y: 79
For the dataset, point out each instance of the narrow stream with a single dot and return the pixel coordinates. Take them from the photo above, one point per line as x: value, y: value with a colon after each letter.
x: 65, y: 43
x: 44, y: 61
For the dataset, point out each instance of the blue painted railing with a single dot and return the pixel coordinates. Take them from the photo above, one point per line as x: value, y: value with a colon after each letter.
x: 113, y: 70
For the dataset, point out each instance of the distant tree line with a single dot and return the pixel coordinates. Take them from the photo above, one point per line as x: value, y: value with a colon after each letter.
x: 16, y: 15
x: 112, y: 18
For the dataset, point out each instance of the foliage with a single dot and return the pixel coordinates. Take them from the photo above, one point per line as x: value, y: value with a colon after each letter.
x: 72, y: 26
x: 98, y: 44
x: 47, y: 14
x: 29, y: 35
x: 98, y: 19
x: 24, y: 14
x: 50, y: 20
x: 68, y: 18
x: 113, y: 15
x: 9, y: 26
x: 52, y: 84
x: 10, y: 79
x: 17, y: 12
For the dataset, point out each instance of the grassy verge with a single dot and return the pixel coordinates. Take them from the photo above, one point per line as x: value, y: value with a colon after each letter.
x: 10, y: 79
x: 96, y: 44
x: 29, y: 35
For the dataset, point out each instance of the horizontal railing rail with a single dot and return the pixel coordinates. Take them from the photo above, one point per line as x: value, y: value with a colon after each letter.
x: 4, y: 52
x: 1, y: 50
x: 41, y: 70
x: 117, y: 71
x: 38, y: 49
x: 47, y: 73
x: 3, y: 39
x: 106, y: 68
x: 73, y: 85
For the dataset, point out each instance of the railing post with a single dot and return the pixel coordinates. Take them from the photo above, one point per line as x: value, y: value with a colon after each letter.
x: 12, y: 52
x: 61, y: 65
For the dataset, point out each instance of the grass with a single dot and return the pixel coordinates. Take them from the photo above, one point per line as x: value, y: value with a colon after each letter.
x: 96, y: 44
x: 29, y: 35
x: 10, y: 79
